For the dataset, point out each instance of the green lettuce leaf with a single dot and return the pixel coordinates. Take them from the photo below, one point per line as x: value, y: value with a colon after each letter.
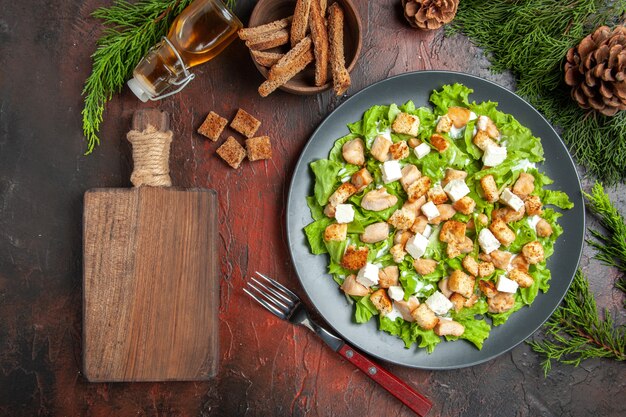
x: 315, y: 235
x: 325, y: 172
x: 410, y: 333
x: 476, y: 330
x: 449, y: 96
x: 364, y: 309
x: 556, y: 198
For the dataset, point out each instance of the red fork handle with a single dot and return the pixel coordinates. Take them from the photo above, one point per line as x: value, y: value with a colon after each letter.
x: 399, y: 389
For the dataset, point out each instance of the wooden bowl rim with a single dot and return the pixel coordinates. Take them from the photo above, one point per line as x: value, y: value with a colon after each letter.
x: 309, y: 90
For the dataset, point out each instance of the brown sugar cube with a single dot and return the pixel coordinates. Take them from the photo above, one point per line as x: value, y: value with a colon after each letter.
x: 259, y: 148
x: 213, y: 126
x: 231, y: 152
x: 245, y: 123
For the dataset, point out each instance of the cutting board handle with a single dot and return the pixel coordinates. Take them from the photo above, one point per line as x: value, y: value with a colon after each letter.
x: 151, y: 139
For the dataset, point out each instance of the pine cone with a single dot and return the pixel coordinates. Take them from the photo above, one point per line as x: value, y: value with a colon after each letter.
x: 429, y: 14
x: 596, y: 70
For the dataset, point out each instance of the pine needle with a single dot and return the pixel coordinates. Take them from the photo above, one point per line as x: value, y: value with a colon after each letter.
x: 130, y: 30
x: 576, y: 332
x: 531, y: 38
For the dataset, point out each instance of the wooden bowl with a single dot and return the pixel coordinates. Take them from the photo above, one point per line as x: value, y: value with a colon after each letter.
x: 303, y: 83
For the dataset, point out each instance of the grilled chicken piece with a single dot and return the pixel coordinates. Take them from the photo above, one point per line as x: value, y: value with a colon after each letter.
x: 424, y: 266
x: 459, y: 116
x: 380, y: 148
x: 453, y: 174
x: 410, y: 174
x: 501, y: 259
x: 543, y: 228
x: 378, y: 200
x: 487, y: 125
x: 420, y: 224
x: 351, y: 287
x: 519, y: 262
x: 449, y: 328
x: 443, y: 287
x: 402, y: 236
x: 361, y: 179
x: 522, y: 278
x: 471, y: 265
x: 388, y: 276
x: 398, y: 252
x: 406, y: 307
x: 446, y: 211
x: 524, y: 185
x: 354, y: 151
x: 375, y: 233
x: 501, y: 302
x: 488, y: 288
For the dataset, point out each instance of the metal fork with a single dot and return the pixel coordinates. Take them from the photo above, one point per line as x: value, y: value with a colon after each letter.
x: 286, y: 305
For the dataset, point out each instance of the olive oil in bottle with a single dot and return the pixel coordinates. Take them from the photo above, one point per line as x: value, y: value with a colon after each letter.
x: 197, y: 35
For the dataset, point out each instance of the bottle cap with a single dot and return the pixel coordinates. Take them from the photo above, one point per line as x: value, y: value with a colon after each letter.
x: 137, y: 87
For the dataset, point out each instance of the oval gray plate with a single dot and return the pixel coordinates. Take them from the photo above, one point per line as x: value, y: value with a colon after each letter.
x: 324, y: 292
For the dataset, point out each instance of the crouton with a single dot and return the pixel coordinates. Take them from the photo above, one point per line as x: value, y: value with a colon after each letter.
x: 405, y: 307
x: 415, y: 206
x: 353, y: 151
x: 459, y: 115
x: 502, y: 232
x: 443, y: 287
x: 378, y: 200
x: 418, y: 188
x: 213, y: 126
x: 452, y: 231
x: 424, y: 317
x: 482, y: 140
x: 465, y: 205
x: 231, y: 152
x: 522, y: 278
x: 466, y: 246
x: 342, y: 194
x: 398, y: 253
x: 508, y: 215
x: 381, y: 301
x: 471, y: 301
x: 424, y: 266
x: 259, y: 148
x: 453, y: 174
x: 350, y: 286
x: 488, y: 288
x: 543, y: 228
x: 501, y: 302
x: 402, y: 236
x: 524, y: 185
x: 461, y: 283
x: 470, y: 264
x: 375, y: 232
x: 490, y: 189
x: 361, y: 179
x: 519, y: 262
x: 533, y: 205
x: 452, y: 250
x: 300, y: 23
x: 446, y: 211
x: 444, y: 124
x: 419, y: 225
x: 458, y: 301
x: 247, y: 34
x: 437, y: 195
x: 485, y: 269
x: 388, y: 276
x: 402, y: 219
x: 410, y: 174
x: 501, y: 259
x: 354, y: 258
x: 268, y: 40
x: 266, y: 59
x: 288, y: 66
x: 336, y: 232
x: 439, y: 142
x: 380, y: 148
x: 319, y: 36
x: 407, y: 124
x: 341, y: 77
x: 245, y: 123
x: 449, y: 328
x: 399, y: 150
x: 533, y: 252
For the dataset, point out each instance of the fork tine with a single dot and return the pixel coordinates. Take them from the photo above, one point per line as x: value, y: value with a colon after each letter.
x: 267, y: 305
x: 273, y: 291
x: 270, y: 298
x: 279, y: 286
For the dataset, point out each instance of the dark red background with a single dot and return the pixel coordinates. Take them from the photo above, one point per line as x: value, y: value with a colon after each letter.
x: 268, y: 367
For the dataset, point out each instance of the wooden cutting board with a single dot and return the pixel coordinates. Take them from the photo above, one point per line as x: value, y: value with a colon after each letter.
x: 151, y: 289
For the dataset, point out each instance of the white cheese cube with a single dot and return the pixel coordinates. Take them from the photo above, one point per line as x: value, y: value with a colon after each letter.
x: 438, y: 303
x: 368, y: 275
x: 473, y: 116
x: 482, y: 123
x: 427, y: 231
x: 396, y: 293
x: 506, y: 285
x: 416, y: 246
x: 391, y: 171
x: 421, y: 150
x: 394, y: 313
x: 430, y: 210
x: 511, y: 200
x: 494, y: 155
x: 456, y: 190
x: 344, y: 213
x: 487, y: 241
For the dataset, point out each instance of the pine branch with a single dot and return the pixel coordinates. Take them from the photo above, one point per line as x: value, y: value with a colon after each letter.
x: 531, y: 38
x: 575, y: 332
x: 130, y: 30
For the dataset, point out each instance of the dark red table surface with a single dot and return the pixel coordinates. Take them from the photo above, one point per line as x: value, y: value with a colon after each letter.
x: 267, y: 367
